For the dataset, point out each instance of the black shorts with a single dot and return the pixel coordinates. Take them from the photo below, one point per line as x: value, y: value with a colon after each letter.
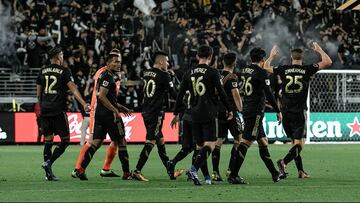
x: 205, y: 132
x: 55, y: 125
x: 105, y: 124
x: 188, y: 140
x: 154, y: 127
x: 253, y: 129
x: 295, y: 124
x: 233, y: 125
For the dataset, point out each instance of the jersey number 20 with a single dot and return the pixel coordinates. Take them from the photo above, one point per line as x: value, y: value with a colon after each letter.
x: 149, y: 88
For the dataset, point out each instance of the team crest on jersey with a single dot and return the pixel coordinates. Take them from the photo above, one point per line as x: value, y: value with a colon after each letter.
x: 267, y: 81
x: 171, y: 84
x: 105, y: 83
x: 234, y: 84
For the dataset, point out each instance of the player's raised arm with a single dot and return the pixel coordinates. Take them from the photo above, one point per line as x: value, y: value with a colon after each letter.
x: 325, y: 59
x: 267, y: 65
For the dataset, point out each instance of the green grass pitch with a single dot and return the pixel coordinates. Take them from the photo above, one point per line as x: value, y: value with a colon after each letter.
x: 333, y: 168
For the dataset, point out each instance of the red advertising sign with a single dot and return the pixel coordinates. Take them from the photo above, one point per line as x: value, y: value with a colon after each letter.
x: 26, y: 128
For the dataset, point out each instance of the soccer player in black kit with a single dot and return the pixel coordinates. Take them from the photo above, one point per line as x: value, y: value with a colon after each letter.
x: 107, y: 118
x: 52, y: 84
x: 202, y: 81
x: 230, y: 83
x: 157, y: 83
x: 188, y: 144
x: 256, y: 87
x: 183, y: 113
x: 295, y: 84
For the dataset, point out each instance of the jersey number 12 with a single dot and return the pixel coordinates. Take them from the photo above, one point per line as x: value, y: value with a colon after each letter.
x: 49, y: 88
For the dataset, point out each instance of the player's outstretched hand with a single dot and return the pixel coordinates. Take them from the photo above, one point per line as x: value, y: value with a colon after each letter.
x: 274, y: 51
x: 174, y: 121
x: 128, y: 112
x: 316, y: 47
x: 279, y: 118
x: 230, y: 116
x: 86, y: 107
x: 116, y: 116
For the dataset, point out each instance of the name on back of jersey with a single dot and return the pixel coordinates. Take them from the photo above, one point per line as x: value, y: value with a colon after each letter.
x: 51, y: 70
x: 294, y: 70
x: 199, y: 70
x: 150, y: 74
x: 248, y: 70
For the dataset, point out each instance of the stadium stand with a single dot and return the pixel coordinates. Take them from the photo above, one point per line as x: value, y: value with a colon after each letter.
x: 88, y: 29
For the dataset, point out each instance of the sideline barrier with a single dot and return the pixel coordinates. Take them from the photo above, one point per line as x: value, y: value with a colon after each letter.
x: 322, y: 127
x: 7, y: 127
x: 25, y: 128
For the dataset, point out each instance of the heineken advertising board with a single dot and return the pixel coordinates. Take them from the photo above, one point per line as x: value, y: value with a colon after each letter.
x: 321, y: 127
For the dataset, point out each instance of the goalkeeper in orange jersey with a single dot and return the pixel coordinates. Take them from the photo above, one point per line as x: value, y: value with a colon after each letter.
x: 105, y: 80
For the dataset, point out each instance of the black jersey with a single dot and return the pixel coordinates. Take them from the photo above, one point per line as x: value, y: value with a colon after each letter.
x: 184, y: 108
x: 295, y: 85
x: 230, y: 82
x: 187, y: 107
x: 202, y: 81
x: 53, y: 80
x: 255, y: 86
x: 107, y: 80
x: 157, y: 84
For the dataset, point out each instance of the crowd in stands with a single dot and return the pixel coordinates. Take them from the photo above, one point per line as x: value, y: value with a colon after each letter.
x: 88, y: 29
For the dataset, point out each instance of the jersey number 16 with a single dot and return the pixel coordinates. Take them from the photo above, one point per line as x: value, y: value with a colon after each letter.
x: 198, y: 86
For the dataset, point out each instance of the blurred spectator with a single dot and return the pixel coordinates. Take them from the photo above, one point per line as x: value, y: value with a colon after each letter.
x: 225, y: 25
x: 130, y: 98
x: 87, y: 30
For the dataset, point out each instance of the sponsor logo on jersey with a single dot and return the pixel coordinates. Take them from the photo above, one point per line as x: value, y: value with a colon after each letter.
x: 105, y: 83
